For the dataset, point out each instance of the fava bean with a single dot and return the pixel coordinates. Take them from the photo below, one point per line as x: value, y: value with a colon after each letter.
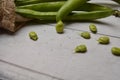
x: 104, y: 40
x: 33, y: 36
x: 115, y: 51
x: 85, y: 35
x: 93, y: 28
x: 81, y: 49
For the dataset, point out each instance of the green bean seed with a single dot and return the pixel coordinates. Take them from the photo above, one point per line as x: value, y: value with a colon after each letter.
x: 115, y: 51
x: 59, y: 27
x: 33, y: 36
x: 85, y: 35
x: 104, y: 40
x: 93, y: 28
x: 81, y: 49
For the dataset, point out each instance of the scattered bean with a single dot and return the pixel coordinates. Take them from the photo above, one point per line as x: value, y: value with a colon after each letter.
x: 93, y: 28
x: 59, y: 27
x: 86, y: 35
x: 115, y: 51
x: 104, y: 40
x: 81, y: 49
x: 33, y: 36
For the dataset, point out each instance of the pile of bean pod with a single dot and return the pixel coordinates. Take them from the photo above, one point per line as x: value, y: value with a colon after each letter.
x: 63, y: 10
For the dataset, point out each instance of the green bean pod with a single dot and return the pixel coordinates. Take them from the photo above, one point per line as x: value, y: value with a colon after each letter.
x: 68, y: 7
x: 26, y: 2
x: 44, y: 7
x: 74, y: 16
x: 55, y: 6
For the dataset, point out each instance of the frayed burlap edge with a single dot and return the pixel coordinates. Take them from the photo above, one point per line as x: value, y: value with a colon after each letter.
x: 8, y: 16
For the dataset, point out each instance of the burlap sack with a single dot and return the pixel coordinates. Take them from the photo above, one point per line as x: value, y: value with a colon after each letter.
x: 8, y: 16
